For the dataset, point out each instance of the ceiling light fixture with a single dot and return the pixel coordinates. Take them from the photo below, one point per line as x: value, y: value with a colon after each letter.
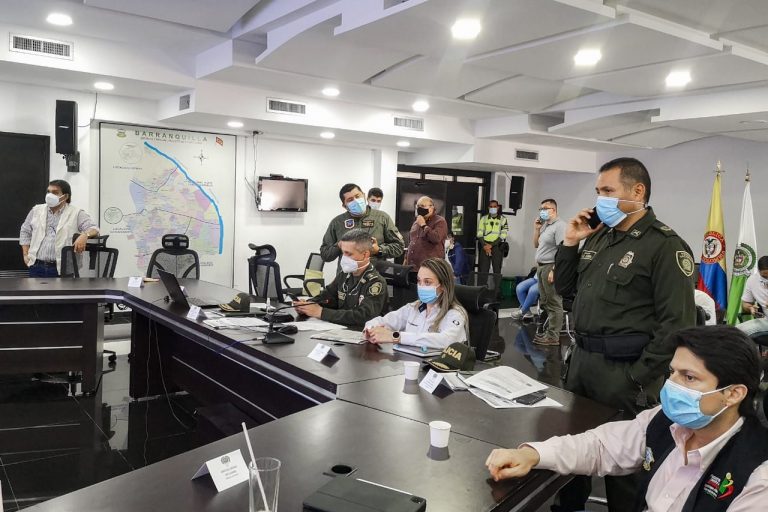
x: 466, y: 29
x: 420, y: 106
x: 235, y: 124
x: 327, y: 135
x: 103, y: 86
x: 331, y: 92
x: 754, y: 121
x: 60, y: 19
x: 403, y: 144
x: 678, y: 78
x: 588, y: 57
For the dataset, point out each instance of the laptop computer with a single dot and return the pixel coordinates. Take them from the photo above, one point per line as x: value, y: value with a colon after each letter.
x: 177, y: 294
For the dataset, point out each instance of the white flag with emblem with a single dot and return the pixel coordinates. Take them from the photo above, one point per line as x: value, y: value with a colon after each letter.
x: 745, y: 257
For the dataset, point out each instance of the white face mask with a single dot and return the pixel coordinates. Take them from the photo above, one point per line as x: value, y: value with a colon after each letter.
x: 349, y: 265
x: 374, y: 205
x: 52, y: 200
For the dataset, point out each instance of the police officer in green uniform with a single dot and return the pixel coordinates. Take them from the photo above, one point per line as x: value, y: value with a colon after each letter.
x: 635, y: 286
x: 357, y: 294
x: 387, y: 241
x: 491, y: 233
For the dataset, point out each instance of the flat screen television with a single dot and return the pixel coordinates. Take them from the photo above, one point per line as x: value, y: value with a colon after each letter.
x: 281, y: 194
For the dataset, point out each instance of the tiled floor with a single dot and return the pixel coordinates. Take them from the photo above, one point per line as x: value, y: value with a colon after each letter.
x: 52, y: 442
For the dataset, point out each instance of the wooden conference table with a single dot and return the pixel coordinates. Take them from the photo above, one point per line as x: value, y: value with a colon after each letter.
x: 356, y: 410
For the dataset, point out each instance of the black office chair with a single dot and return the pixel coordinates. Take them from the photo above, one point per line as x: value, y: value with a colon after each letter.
x: 312, y: 282
x: 175, y: 257
x: 481, y: 319
x: 264, y: 273
x: 488, y: 279
x: 402, y: 279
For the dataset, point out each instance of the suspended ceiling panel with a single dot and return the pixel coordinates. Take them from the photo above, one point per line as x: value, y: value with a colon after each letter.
x: 211, y: 15
x: 619, y: 42
x: 712, y: 16
x: 527, y: 94
x: 712, y: 71
x: 425, y: 29
x: 756, y: 135
x: 608, y: 127
x: 317, y: 52
x: 721, y: 124
x: 662, y: 137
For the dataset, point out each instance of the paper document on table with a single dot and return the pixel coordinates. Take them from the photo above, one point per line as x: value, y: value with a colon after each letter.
x: 500, y: 403
x: 341, y: 336
x: 505, y: 382
x: 315, y: 325
x: 235, y: 322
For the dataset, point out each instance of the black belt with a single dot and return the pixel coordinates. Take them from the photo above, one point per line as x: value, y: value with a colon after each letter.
x: 621, y: 347
x: 42, y: 263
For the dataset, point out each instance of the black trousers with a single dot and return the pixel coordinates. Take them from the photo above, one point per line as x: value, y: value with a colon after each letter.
x: 484, y: 264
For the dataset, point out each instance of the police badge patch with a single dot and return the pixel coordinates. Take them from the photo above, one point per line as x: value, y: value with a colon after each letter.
x: 375, y: 289
x: 349, y: 223
x: 685, y: 262
x: 626, y: 260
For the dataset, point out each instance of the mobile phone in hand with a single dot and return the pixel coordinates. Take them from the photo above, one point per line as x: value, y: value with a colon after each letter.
x: 531, y: 398
x: 594, y: 219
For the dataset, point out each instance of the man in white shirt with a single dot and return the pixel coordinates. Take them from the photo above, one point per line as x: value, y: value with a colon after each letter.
x: 702, y: 450
x: 756, y: 294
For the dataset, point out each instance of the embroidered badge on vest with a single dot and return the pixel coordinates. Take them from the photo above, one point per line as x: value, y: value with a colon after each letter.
x: 626, y: 260
x: 588, y: 255
x: 648, y: 460
x: 719, y: 488
x: 635, y: 233
x: 367, y: 223
x: 342, y: 296
x: 349, y: 223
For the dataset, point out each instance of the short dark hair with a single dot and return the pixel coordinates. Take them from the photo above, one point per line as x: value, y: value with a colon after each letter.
x: 349, y: 187
x: 762, y: 263
x: 632, y: 171
x: 376, y: 192
x: 728, y: 354
x: 493, y: 201
x: 550, y: 201
x: 360, y: 237
x: 64, y: 186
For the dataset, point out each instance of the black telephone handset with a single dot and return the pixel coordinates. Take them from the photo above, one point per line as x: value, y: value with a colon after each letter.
x: 594, y: 219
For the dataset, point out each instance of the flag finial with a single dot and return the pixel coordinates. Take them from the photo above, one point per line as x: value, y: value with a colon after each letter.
x: 719, y: 168
x: 748, y: 177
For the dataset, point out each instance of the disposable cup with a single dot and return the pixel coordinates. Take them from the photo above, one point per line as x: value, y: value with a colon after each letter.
x: 439, y: 432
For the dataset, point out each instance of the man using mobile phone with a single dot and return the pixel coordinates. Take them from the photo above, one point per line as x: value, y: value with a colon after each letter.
x: 633, y: 278
x: 548, y: 233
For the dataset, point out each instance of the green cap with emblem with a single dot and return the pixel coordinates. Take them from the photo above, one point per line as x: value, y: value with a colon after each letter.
x: 240, y: 303
x: 456, y: 356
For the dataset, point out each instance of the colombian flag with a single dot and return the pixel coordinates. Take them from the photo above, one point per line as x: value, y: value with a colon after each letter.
x: 712, y: 273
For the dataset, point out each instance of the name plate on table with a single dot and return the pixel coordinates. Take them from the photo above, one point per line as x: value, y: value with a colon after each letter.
x: 194, y: 312
x: 430, y: 381
x: 135, y: 282
x: 226, y: 471
x: 320, y: 352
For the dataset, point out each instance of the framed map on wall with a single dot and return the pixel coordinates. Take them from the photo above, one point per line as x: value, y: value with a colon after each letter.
x: 155, y: 181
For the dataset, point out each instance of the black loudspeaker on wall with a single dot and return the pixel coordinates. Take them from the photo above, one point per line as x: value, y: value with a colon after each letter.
x: 516, y: 185
x: 66, y: 133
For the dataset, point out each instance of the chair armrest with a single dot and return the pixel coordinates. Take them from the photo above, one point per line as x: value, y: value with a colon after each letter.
x: 298, y: 277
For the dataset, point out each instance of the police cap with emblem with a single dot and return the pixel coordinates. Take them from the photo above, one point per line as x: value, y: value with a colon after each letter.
x: 456, y: 356
x: 240, y: 303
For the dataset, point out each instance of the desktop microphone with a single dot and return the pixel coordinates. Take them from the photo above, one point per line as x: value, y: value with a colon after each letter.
x: 272, y: 337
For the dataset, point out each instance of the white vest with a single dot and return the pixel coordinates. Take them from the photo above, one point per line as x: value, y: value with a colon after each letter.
x: 65, y: 230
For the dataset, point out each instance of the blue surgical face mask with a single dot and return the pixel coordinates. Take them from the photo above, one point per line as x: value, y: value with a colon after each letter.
x: 427, y: 294
x: 608, y: 210
x: 357, y: 206
x: 374, y: 205
x: 544, y: 215
x: 683, y: 405
x: 493, y: 211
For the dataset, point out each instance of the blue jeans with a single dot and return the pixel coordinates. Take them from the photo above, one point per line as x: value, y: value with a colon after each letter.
x: 40, y: 270
x: 527, y: 294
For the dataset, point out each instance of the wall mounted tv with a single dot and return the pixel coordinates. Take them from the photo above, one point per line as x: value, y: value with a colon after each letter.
x: 278, y: 194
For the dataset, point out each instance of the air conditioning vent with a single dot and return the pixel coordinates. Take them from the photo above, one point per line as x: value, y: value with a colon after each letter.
x: 410, y: 123
x: 185, y: 101
x: 40, y: 46
x: 286, y: 107
x: 522, y: 154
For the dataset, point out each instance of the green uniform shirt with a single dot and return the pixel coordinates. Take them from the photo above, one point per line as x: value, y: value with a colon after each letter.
x: 640, y: 281
x: 353, y: 300
x: 377, y: 223
x: 492, y: 230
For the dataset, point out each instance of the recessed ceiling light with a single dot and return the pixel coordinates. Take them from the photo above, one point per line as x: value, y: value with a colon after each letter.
x: 103, y: 86
x: 403, y: 143
x: 466, y: 29
x: 331, y: 91
x: 327, y: 135
x: 587, y: 57
x: 235, y: 124
x: 420, y: 106
x: 60, y: 19
x: 678, y: 78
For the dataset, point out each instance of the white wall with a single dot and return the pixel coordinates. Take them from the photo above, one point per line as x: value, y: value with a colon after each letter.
x: 682, y: 180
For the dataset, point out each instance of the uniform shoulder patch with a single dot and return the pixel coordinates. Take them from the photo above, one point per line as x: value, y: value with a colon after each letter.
x: 375, y: 289
x: 349, y: 223
x: 664, y: 229
x: 685, y: 262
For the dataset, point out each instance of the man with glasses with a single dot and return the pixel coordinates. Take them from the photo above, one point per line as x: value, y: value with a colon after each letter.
x: 548, y: 233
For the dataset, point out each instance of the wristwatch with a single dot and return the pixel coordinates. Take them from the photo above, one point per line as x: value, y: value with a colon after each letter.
x: 396, y: 335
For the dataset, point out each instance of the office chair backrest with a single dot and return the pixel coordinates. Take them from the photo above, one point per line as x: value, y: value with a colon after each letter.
x: 175, y: 257
x: 481, y: 317
x: 313, y: 274
x: 401, y: 278
x: 94, y: 261
x: 264, y: 273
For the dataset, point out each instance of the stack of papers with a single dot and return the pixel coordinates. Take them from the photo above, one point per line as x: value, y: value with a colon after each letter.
x: 313, y: 324
x: 500, y: 386
x: 341, y: 336
x: 235, y: 322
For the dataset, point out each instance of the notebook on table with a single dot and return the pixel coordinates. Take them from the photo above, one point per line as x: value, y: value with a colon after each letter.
x: 417, y: 351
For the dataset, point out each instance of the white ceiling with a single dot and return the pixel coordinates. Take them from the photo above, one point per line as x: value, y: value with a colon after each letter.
x: 386, y: 54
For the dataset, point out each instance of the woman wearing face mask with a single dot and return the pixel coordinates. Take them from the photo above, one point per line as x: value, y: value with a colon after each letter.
x: 427, y: 235
x: 455, y: 255
x: 434, y: 321
x: 702, y: 450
